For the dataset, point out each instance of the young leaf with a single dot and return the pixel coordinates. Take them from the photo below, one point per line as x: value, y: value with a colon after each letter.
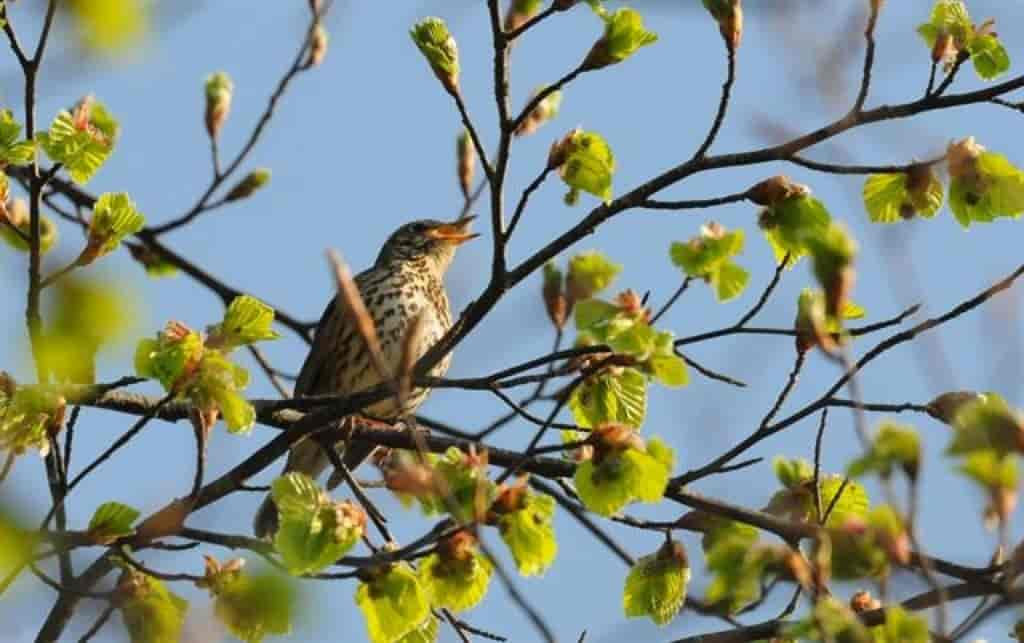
x: 986, y: 422
x: 114, y: 217
x: 737, y: 565
x: 983, y: 185
x: 789, y: 223
x: 707, y: 257
x: 989, y: 56
x: 624, y: 34
x: 530, y: 535
x: 217, y: 386
x: 901, y: 626
x: 894, y: 445
x: 28, y: 416
x: 171, y: 357
x: 890, y: 198
x: 587, y: 164
x: 625, y: 476
x: 991, y: 470
x: 456, y: 583
x: 17, y: 214
x: 393, y: 604
x: 253, y: 607
x: 81, y: 140
x: 246, y: 321
x: 590, y: 273
x: 112, y: 520
x: 12, y: 150
x: 607, y: 397
x: 656, y: 584
x: 314, y: 532
x: 151, y: 612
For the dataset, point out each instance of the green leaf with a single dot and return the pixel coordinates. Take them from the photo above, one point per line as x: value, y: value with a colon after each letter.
x: 12, y: 150
x: 590, y: 273
x: 82, y: 141
x: 114, y: 217
x: 625, y: 476
x: 789, y: 224
x: 729, y: 281
x: 310, y: 544
x: 703, y: 254
x: 457, y: 585
x: 246, y: 321
x: 989, y: 56
x: 983, y: 423
x: 26, y: 418
x: 112, y: 520
x: 216, y: 385
x: 589, y: 165
x: 151, y: 612
x: 737, y: 565
x: 888, y: 199
x: 656, y: 584
x: 831, y: 621
x: 853, y: 503
x: 252, y: 182
x: 591, y: 312
x: 984, y: 185
x: 624, y: 34
x: 110, y: 26
x: 254, y: 606
x: 530, y: 535
x: 393, y: 604
x: 893, y: 445
x: 670, y: 370
x: 18, y: 215
x: 606, y: 397
x: 718, y: 529
x: 793, y: 473
x: 901, y: 626
x: 425, y: 632
x: 948, y: 16
x: 991, y: 470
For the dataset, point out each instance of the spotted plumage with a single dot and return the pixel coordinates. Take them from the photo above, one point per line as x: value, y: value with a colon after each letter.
x: 405, y: 282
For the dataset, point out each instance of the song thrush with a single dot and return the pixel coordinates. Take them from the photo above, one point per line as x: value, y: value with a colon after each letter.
x: 405, y: 282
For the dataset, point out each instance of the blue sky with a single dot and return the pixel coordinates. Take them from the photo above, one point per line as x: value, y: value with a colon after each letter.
x: 365, y: 143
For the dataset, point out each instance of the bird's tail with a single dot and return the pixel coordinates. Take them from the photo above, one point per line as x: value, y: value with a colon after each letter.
x: 307, y: 457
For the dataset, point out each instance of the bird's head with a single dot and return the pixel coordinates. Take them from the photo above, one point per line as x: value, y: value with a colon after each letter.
x: 432, y: 241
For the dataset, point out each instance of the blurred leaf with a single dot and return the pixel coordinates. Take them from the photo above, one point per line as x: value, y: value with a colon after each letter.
x: 151, y: 612
x: 901, y: 626
x: 254, y: 606
x: 17, y: 213
x: 790, y: 223
x: 590, y: 273
x: 110, y: 26
x: 624, y: 34
x: 893, y: 445
x: 890, y: 198
x: 28, y: 415
x: 314, y: 532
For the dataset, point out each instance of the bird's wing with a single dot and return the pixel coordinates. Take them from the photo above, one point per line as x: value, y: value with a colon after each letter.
x: 309, y: 380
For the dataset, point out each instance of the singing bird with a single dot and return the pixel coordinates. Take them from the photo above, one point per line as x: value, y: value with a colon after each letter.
x: 405, y: 282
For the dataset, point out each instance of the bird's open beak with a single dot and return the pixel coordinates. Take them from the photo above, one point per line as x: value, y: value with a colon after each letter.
x: 456, y: 232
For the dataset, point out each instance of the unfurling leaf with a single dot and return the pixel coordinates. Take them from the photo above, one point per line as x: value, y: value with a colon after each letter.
x: 624, y: 34
x: 890, y: 198
x: 314, y: 532
x: 114, y: 217
x: 832, y: 254
x: 456, y: 577
x: 656, y: 584
x: 12, y: 150
x: 585, y: 162
x: 437, y: 45
x: 607, y: 397
x: 791, y: 217
x: 951, y: 35
x: 894, y: 445
x: 82, y: 139
x: 111, y: 521
x: 986, y: 422
x: 617, y: 476
x: 708, y: 257
x: 393, y: 602
x: 983, y: 185
x: 528, y: 532
x: 246, y: 321
x: 546, y: 110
